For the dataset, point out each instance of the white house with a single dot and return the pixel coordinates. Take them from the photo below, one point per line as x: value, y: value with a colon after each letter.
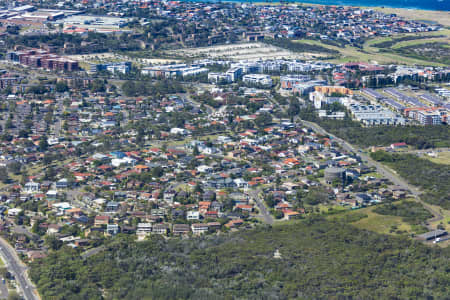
x: 193, y: 215
x: 241, y: 183
x: 223, y: 139
x: 32, y: 187
x: 204, y: 169
x: 180, y: 131
x: 52, y: 195
x: 144, y: 228
x: 12, y: 212
x: 116, y: 162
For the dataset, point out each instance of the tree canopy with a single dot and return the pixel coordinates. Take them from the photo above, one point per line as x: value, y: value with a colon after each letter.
x: 319, y: 259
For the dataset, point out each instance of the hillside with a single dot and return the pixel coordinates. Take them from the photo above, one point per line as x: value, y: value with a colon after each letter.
x: 320, y: 259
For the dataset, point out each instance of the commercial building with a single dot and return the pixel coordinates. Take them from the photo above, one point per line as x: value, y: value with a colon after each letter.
x: 329, y: 90
x: 320, y: 99
x: 339, y: 115
x: 258, y: 79
x: 443, y: 92
x: 219, y: 77
x: 9, y: 81
x: 104, y: 24
x: 288, y: 81
x: 307, y: 67
x: 307, y: 87
x: 122, y: 67
x: 172, y: 71
x: 235, y: 73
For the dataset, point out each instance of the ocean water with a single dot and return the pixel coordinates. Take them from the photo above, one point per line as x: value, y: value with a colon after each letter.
x: 443, y: 5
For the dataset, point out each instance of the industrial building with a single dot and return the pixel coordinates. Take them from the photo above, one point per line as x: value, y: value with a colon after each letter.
x: 95, y: 23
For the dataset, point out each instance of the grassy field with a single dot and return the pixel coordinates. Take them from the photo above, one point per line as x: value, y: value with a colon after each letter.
x: 373, y: 174
x: 369, y: 54
x: 446, y: 214
x: 366, y: 219
x: 419, y: 42
x: 445, y: 33
x: 441, y: 17
x: 331, y: 208
x: 381, y: 223
x: 442, y: 158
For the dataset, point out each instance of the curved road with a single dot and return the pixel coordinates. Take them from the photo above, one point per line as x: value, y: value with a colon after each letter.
x: 18, y: 269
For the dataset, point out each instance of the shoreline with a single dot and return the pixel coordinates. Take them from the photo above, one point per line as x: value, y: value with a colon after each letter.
x: 302, y: 2
x: 441, y: 17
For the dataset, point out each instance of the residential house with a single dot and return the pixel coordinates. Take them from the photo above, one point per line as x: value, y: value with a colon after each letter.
x: 181, y: 229
x: 199, y: 228
x: 192, y: 215
x: 101, y: 220
x: 112, y: 229
x: 160, y: 229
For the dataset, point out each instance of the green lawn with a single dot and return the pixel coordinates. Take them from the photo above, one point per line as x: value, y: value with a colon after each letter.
x: 365, y: 218
x: 372, y: 54
x: 381, y: 223
x: 373, y: 174
x: 446, y: 214
x: 419, y: 42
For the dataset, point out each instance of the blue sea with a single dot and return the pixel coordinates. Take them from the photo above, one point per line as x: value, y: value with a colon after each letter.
x: 443, y: 5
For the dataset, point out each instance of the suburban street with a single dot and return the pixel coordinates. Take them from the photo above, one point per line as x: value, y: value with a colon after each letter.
x: 18, y: 269
x: 267, y: 217
x: 3, y: 290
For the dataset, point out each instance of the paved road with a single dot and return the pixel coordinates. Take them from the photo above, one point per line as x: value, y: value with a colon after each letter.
x: 58, y: 123
x: 92, y: 251
x: 381, y: 169
x: 3, y: 290
x: 209, y: 109
x: 18, y: 269
x: 267, y: 217
x: 74, y: 198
